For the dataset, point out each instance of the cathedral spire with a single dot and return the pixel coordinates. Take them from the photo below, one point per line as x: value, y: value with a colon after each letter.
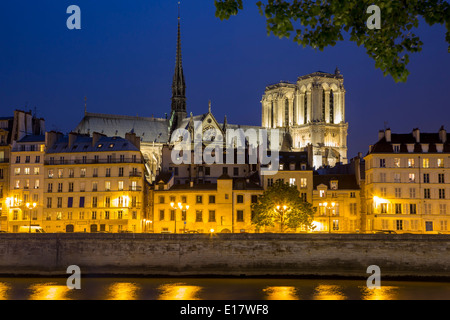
x: 178, y: 84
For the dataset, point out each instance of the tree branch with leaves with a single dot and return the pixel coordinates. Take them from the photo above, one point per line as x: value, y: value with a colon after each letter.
x: 321, y: 23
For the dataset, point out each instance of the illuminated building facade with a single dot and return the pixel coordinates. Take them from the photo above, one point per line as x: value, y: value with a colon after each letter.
x: 93, y: 183
x: 25, y: 199
x: 406, y: 182
x: 224, y: 206
x: 312, y: 113
x: 337, y: 198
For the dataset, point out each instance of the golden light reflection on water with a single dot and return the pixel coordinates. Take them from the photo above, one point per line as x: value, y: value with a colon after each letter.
x: 329, y: 292
x: 4, y: 288
x: 49, y: 291
x: 179, y: 291
x: 381, y: 293
x: 281, y: 293
x: 122, y: 291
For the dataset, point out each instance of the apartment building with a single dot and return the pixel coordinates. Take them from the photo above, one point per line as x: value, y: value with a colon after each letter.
x: 337, y: 199
x: 26, y: 177
x: 407, y: 179
x: 93, y: 183
x: 224, y: 206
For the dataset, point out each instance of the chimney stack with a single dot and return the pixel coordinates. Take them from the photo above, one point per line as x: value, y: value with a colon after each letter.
x: 380, y: 135
x: 51, y: 138
x: 442, y: 135
x: 416, y: 134
x: 95, y: 137
x: 387, y: 133
x: 72, y: 138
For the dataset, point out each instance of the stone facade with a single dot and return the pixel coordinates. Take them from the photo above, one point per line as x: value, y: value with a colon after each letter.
x: 313, y: 113
x: 226, y: 254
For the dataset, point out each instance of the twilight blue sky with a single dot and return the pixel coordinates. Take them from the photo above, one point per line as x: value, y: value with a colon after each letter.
x: 123, y: 60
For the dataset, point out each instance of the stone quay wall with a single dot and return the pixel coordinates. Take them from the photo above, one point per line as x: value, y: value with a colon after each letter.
x: 342, y: 255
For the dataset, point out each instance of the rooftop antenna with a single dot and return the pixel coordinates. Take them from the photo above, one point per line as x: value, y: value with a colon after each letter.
x: 385, y: 125
x: 85, y: 105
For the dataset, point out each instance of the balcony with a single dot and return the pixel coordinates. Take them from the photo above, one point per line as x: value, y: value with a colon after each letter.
x: 135, y: 188
x: 91, y: 161
x: 135, y: 174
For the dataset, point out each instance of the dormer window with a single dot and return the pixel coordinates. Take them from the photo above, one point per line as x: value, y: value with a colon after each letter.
x: 292, y: 166
x: 281, y: 166
x: 333, y: 185
x: 396, y: 148
x: 439, y: 147
x: 424, y: 147
x: 410, y: 147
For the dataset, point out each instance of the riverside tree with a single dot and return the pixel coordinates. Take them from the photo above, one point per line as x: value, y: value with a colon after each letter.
x: 321, y: 23
x: 282, y: 205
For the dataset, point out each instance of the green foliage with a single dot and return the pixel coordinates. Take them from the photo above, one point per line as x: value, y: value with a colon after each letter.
x: 321, y: 23
x: 297, y: 213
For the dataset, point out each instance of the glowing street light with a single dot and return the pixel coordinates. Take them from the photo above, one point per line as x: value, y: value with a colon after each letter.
x: 29, y: 207
x: 181, y: 207
x: 325, y: 204
x: 282, y: 210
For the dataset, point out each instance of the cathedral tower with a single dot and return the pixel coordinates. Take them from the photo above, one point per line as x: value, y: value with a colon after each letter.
x: 178, y: 112
x: 312, y: 111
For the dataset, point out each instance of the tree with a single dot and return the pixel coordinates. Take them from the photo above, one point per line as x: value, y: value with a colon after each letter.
x: 320, y: 23
x: 281, y: 204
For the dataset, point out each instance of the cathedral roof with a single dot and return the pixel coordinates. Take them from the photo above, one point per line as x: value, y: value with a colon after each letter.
x: 148, y: 129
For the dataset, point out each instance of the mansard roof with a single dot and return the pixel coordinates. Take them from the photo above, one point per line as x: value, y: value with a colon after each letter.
x: 83, y: 143
x: 148, y: 129
x: 33, y: 138
x: 405, y: 139
x: 345, y: 181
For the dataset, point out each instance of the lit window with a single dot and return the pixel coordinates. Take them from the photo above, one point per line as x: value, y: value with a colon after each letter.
x: 303, y: 182
x: 292, y: 181
x: 426, y: 163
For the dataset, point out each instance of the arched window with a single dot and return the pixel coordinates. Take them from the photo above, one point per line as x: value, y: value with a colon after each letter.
x: 323, y: 105
x: 294, y: 114
x: 286, y: 112
x: 271, y: 116
x: 331, y: 107
x: 305, y: 109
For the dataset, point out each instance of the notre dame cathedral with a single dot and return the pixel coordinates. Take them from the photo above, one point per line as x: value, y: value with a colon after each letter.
x: 309, y: 116
x: 312, y: 114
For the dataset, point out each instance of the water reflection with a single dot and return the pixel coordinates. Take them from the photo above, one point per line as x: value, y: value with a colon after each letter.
x: 281, y: 293
x: 4, y: 288
x: 179, y: 291
x: 49, y: 291
x: 122, y: 291
x: 329, y: 292
x: 381, y: 293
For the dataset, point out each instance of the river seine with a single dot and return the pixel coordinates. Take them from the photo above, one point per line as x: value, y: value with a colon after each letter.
x: 218, y: 289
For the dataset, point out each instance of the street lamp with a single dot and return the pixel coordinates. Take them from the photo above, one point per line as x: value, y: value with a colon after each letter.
x: 329, y: 214
x: 181, y: 207
x: 29, y: 207
x: 282, y: 210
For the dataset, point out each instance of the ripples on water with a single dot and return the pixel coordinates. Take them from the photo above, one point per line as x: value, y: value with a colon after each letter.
x: 218, y: 289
